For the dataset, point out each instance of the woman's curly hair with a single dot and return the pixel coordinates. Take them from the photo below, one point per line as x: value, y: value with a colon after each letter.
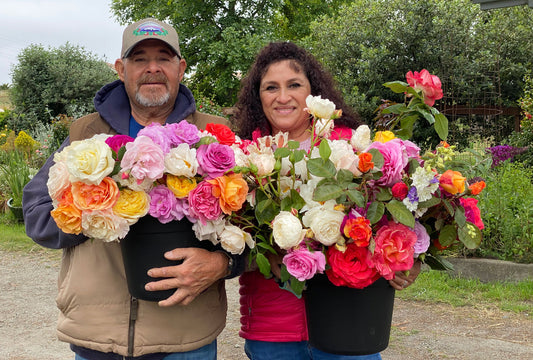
x: 250, y: 116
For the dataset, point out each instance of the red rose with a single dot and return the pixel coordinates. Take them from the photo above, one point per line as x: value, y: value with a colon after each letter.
x: 222, y: 132
x: 400, y: 190
x: 428, y: 84
x: 472, y: 212
x: 350, y: 268
x: 394, y: 249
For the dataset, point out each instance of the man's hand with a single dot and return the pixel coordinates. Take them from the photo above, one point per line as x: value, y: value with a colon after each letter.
x: 199, y: 270
x: 401, y: 281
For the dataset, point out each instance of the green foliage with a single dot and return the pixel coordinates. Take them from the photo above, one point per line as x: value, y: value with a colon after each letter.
x: 56, y: 81
x: 525, y: 137
x: 369, y: 43
x: 507, y: 210
x: 14, y: 174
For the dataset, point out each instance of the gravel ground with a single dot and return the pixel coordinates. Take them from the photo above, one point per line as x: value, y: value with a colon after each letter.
x: 420, y: 331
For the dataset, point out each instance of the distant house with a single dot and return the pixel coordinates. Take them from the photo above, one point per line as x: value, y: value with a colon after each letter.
x: 494, y: 4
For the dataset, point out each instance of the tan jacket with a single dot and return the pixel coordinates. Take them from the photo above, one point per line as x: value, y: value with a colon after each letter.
x: 94, y: 300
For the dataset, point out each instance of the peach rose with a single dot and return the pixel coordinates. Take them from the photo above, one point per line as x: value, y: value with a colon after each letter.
x: 95, y: 197
x: 66, y: 215
x: 231, y: 190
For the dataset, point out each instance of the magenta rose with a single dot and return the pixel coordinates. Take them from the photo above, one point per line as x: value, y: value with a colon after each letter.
x: 117, y: 141
x: 215, y: 159
x: 163, y: 205
x: 394, y: 249
x: 202, y: 204
x: 351, y: 268
x: 472, y: 212
x: 395, y: 160
x: 159, y: 135
x: 304, y: 264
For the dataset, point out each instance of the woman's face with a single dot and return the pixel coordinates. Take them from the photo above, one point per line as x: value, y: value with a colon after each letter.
x: 283, y: 91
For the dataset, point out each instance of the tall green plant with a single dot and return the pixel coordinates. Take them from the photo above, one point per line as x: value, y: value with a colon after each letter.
x: 15, y: 174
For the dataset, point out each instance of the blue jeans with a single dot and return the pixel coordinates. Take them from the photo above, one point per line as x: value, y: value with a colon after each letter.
x: 208, y: 352
x: 298, y: 350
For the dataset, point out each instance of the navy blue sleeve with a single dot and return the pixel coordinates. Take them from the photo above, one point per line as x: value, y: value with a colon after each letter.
x: 36, y: 206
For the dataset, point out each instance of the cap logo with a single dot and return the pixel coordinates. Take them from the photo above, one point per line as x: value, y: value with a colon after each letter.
x: 150, y: 28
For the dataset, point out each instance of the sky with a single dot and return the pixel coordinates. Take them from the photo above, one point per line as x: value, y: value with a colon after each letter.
x: 53, y: 23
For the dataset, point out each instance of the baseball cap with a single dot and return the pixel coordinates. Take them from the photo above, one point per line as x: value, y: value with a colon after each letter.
x: 149, y: 28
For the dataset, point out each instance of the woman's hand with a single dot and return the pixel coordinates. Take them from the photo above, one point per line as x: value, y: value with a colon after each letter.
x: 401, y: 280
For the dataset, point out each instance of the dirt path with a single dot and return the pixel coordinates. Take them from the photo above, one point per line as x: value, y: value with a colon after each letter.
x: 420, y: 331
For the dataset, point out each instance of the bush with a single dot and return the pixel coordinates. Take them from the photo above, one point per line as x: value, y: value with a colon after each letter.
x: 507, y: 209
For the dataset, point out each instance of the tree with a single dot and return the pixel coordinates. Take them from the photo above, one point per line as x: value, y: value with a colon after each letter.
x: 56, y: 81
x: 219, y: 39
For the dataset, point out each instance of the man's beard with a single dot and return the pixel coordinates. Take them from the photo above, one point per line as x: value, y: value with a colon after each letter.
x: 152, y: 99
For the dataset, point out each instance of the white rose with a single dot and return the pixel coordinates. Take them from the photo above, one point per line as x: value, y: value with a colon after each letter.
x: 241, y: 159
x: 307, y: 191
x: 209, y: 231
x: 104, y: 225
x: 58, y: 180
x: 323, y: 127
x: 89, y: 161
x: 300, y: 168
x: 287, y: 230
x: 361, y: 138
x: 325, y: 222
x: 234, y: 240
x: 131, y: 183
x: 320, y: 108
x: 181, y: 161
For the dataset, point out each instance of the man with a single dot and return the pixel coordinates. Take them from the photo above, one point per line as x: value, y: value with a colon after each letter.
x: 98, y: 316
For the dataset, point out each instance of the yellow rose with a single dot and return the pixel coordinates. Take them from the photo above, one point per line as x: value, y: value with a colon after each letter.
x: 452, y: 182
x: 132, y: 205
x: 180, y: 185
x: 384, y: 136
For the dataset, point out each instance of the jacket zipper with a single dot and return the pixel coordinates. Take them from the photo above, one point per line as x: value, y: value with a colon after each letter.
x: 134, y: 306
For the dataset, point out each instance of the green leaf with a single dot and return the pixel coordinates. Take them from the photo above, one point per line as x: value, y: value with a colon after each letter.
x: 356, y: 196
x: 460, y: 217
x: 400, y: 213
x: 441, y: 126
x: 377, y: 158
x: 293, y: 145
x: 294, y: 200
x: 434, y: 201
x: 375, y: 211
x: 266, y: 211
x: 327, y: 192
x: 324, y: 150
x: 263, y: 264
x: 470, y: 235
x: 344, y: 176
x: 397, y: 86
x: 448, y: 206
x: 437, y: 262
x: 282, y: 152
x: 427, y: 115
x: 395, y: 109
x: 297, y: 156
x: 266, y: 246
x: 384, y: 194
x: 447, y: 235
x: 321, y: 168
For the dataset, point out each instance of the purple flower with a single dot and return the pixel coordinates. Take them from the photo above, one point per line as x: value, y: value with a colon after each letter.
x: 304, y: 264
x: 158, y: 134
x: 164, y: 205
x: 422, y: 241
x: 215, y: 159
x: 500, y: 153
x: 183, y: 132
x: 412, y: 195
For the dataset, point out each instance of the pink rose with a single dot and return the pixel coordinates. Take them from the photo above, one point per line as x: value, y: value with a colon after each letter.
x: 215, y: 159
x: 395, y: 160
x: 394, y: 249
x: 143, y: 159
x: 422, y: 239
x: 472, y: 212
x: 203, y: 205
x: 183, y: 132
x: 428, y: 84
x: 304, y: 264
x: 163, y: 205
x: 159, y: 134
x: 351, y: 268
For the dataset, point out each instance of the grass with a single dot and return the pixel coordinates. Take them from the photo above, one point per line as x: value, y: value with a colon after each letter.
x: 439, y: 287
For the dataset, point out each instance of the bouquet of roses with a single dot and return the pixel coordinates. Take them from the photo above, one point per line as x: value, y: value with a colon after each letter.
x: 103, y: 185
x: 355, y: 208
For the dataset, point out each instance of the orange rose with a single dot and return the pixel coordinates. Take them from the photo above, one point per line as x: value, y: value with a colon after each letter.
x: 358, y: 229
x: 231, y: 190
x: 95, y: 197
x: 452, y: 182
x: 477, y: 187
x: 365, y: 162
x: 66, y: 215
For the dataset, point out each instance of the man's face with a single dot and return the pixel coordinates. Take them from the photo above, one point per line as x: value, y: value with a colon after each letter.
x: 152, y: 74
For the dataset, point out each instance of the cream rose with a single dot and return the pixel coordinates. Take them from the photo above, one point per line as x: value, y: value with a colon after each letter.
x: 320, y: 108
x: 89, y: 161
x: 361, y: 138
x: 287, y: 230
x: 58, y: 182
x: 325, y: 222
x: 210, y: 230
x: 104, y: 225
x: 264, y: 161
x: 234, y: 240
x: 181, y: 161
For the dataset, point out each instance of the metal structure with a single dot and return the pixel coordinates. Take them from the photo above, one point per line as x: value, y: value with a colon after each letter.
x: 494, y: 4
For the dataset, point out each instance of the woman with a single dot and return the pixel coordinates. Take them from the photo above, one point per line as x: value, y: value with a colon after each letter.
x: 272, y: 99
